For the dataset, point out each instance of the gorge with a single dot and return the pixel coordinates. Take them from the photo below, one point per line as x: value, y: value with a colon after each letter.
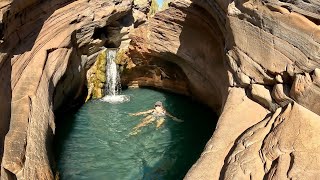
x: 254, y: 62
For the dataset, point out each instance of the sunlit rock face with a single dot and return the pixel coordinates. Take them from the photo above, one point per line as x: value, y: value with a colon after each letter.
x: 45, y: 50
x: 254, y: 62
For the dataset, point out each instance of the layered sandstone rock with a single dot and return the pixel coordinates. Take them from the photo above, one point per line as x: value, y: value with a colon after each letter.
x: 44, y: 52
x: 254, y: 62
x: 186, y: 36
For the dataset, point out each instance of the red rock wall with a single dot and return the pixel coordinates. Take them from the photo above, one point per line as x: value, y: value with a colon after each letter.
x: 242, y: 58
x: 41, y: 41
x: 254, y: 62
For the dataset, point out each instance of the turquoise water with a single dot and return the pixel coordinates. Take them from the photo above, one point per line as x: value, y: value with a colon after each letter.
x: 94, y: 142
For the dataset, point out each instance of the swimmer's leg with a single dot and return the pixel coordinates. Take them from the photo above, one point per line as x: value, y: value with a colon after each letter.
x: 144, y: 122
x: 135, y: 132
x: 160, y: 121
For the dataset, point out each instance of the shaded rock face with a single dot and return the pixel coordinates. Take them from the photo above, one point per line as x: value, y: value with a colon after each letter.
x: 254, y: 62
x: 187, y: 36
x: 159, y: 74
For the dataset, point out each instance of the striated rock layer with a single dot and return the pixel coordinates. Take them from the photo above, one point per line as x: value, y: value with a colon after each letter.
x: 254, y: 62
x: 186, y: 36
x: 45, y: 49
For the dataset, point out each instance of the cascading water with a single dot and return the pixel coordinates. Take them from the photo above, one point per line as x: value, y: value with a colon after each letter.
x: 113, y: 85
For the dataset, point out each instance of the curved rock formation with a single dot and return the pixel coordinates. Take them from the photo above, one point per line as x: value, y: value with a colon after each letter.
x: 44, y: 52
x: 254, y: 62
x: 187, y: 36
x: 242, y: 58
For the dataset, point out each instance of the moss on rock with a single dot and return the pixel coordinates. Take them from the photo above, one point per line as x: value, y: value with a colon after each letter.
x: 96, y: 77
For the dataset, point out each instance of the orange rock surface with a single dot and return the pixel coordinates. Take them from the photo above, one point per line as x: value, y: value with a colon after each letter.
x: 255, y: 62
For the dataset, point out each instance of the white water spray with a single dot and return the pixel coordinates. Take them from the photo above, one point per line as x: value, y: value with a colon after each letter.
x: 113, y: 85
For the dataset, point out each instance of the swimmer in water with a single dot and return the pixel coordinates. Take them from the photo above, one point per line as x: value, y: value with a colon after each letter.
x: 158, y: 113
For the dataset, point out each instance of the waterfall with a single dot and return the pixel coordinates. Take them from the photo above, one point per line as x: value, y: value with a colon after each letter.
x: 113, y: 84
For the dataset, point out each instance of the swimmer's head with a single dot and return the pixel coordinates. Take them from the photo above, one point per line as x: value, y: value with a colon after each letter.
x: 158, y: 103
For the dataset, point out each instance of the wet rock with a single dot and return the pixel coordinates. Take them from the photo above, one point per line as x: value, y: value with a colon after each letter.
x: 96, y: 77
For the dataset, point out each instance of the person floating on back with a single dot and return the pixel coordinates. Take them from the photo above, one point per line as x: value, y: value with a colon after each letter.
x: 158, y: 114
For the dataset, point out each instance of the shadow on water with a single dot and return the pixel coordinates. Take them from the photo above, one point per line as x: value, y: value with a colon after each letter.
x: 175, y: 157
x: 64, y: 129
x: 197, y: 128
x: 202, y: 46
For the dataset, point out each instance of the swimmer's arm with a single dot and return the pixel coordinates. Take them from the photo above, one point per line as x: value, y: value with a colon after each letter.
x: 141, y: 113
x: 174, y: 118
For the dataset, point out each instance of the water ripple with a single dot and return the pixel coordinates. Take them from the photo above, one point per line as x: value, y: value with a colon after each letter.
x: 99, y: 145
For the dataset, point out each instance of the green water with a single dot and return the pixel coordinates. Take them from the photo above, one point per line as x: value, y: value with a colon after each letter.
x: 94, y: 142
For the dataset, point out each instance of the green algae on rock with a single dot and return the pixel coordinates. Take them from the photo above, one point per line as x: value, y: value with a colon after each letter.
x: 96, y: 77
